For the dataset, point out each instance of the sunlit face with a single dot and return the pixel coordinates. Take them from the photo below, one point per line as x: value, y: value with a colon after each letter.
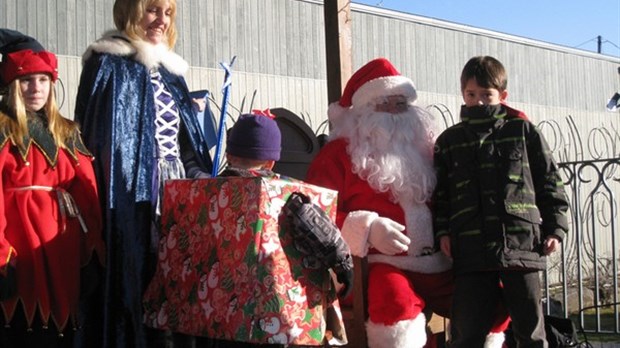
x: 474, y: 95
x: 35, y: 89
x: 393, y: 104
x: 156, y: 21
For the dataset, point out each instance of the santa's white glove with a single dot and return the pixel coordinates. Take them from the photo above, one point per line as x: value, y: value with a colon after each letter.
x: 386, y: 235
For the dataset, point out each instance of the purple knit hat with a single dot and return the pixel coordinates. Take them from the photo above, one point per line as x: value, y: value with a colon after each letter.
x: 255, y: 136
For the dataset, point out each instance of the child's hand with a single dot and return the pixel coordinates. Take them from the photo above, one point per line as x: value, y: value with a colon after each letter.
x: 199, y: 104
x: 345, y: 277
x: 551, y: 244
x: 444, y: 245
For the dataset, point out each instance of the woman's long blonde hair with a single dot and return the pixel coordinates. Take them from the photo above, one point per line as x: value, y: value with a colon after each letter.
x: 15, y: 126
x: 128, y: 14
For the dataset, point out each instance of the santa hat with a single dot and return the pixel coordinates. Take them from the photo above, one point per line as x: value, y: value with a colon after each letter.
x: 378, y: 78
x: 23, y: 55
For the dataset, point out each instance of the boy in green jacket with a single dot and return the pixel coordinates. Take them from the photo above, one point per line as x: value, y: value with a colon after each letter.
x: 500, y: 209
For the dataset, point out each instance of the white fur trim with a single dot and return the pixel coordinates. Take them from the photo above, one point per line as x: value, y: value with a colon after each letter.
x: 494, y: 340
x: 335, y: 113
x: 149, y: 55
x: 384, y: 86
x: 355, y: 230
x: 404, y: 334
x: 430, y: 264
x: 108, y: 44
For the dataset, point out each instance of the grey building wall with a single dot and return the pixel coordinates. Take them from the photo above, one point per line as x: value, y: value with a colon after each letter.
x: 280, y: 52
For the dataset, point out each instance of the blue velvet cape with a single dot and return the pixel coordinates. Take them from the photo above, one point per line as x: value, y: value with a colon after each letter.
x: 116, y: 110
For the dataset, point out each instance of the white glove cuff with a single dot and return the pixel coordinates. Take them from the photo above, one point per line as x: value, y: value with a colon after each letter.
x: 355, y: 230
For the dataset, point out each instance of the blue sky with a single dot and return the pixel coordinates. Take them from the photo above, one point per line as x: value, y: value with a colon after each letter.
x: 573, y: 23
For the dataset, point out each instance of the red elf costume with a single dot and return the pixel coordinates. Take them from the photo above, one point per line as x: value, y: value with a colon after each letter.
x: 50, y: 221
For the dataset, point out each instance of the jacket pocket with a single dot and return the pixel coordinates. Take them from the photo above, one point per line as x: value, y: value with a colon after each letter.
x: 522, y: 226
x: 511, y: 161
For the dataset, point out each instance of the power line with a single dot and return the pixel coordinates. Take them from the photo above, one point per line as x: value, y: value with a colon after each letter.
x: 592, y: 39
x: 613, y: 44
x: 600, y: 42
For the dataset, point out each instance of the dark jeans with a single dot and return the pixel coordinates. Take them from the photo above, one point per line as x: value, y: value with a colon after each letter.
x: 474, y: 305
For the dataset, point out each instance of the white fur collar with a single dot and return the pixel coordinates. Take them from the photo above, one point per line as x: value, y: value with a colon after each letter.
x: 152, y: 56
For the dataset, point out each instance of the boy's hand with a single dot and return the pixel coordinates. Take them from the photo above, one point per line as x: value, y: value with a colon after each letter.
x: 552, y: 243
x: 444, y: 245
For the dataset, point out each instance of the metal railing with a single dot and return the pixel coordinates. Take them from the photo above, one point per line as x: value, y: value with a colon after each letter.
x: 582, y: 280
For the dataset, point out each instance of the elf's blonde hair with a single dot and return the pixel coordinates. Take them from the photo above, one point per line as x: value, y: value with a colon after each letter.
x: 15, y: 125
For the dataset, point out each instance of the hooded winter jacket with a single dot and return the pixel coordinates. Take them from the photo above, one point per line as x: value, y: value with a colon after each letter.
x: 499, y: 194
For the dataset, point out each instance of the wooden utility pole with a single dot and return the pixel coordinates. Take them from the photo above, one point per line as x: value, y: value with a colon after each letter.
x: 337, y: 14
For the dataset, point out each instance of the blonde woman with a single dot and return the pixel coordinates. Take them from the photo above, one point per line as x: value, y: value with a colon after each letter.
x: 138, y: 119
x: 49, y: 227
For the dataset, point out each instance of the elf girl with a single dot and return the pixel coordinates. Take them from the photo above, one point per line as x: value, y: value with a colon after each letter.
x: 50, y: 221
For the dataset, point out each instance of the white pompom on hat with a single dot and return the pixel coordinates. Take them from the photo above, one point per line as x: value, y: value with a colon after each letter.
x: 378, y: 78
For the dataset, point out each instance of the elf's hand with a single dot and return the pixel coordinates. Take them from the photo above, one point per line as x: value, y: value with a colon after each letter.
x: 386, y: 235
x: 444, y: 245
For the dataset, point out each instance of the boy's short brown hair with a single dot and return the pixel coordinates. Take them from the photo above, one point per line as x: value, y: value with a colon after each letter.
x: 487, y: 71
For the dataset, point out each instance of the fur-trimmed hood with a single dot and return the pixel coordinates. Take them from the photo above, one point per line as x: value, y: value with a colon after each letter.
x: 152, y: 56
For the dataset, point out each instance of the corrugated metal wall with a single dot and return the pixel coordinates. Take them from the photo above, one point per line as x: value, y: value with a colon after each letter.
x: 279, y: 45
x: 280, y: 52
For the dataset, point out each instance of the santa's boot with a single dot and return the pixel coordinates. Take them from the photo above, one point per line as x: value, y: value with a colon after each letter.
x: 404, y: 334
x: 494, y: 340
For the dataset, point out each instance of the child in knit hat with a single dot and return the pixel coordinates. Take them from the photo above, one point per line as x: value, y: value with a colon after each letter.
x: 253, y: 145
x: 252, y: 148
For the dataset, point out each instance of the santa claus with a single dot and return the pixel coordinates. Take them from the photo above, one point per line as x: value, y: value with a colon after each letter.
x: 379, y: 159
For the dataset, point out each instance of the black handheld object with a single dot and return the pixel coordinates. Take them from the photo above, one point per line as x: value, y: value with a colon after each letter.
x: 319, y: 239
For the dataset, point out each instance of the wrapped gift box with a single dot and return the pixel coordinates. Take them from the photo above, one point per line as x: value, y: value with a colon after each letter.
x: 228, y: 269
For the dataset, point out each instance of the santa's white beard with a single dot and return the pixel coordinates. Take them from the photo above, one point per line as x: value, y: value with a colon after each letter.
x: 393, y: 152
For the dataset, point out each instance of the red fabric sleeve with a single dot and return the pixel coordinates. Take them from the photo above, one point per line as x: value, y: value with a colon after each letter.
x: 329, y: 170
x: 84, y: 192
x: 7, y: 252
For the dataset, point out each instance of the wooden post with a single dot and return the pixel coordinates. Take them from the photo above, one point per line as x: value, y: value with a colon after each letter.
x: 337, y: 14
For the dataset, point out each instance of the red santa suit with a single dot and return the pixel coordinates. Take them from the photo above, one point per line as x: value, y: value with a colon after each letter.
x: 393, y: 280
x: 402, y: 282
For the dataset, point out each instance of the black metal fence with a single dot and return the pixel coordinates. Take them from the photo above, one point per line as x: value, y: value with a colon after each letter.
x: 581, y: 282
